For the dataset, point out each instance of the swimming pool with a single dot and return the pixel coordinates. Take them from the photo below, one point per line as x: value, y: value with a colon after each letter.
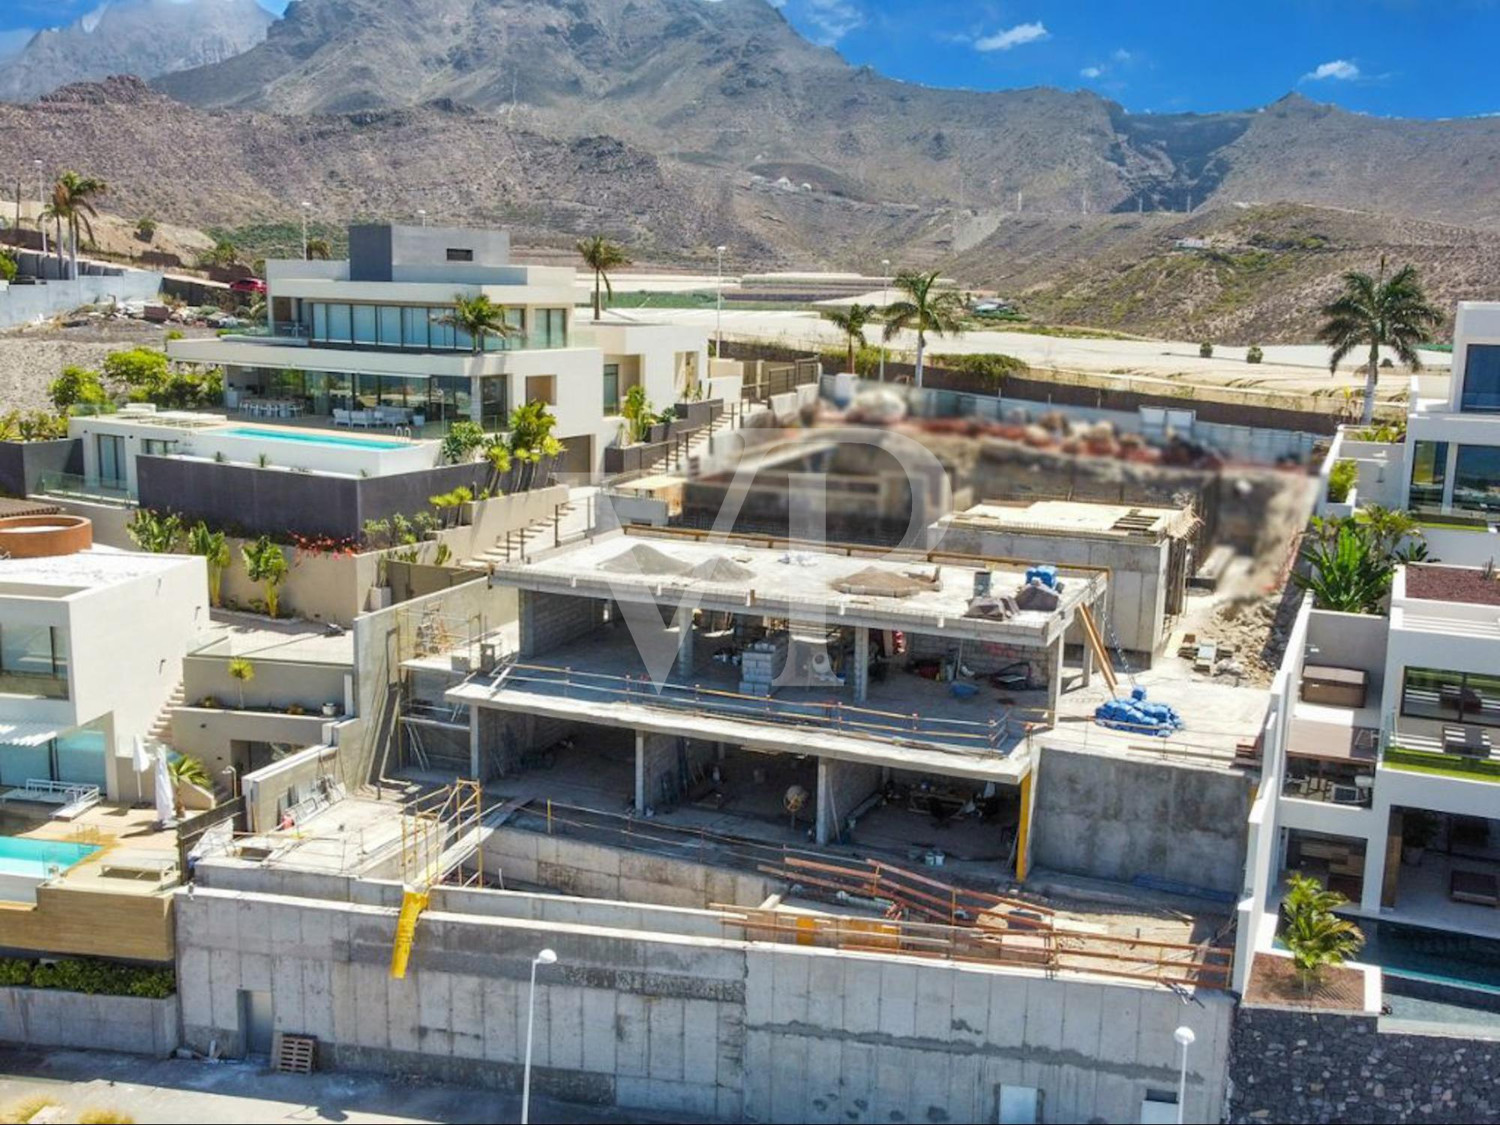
x: 303, y: 437
x: 36, y: 859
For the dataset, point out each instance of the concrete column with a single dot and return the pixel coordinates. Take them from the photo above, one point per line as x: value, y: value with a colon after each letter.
x: 1375, y: 851
x: 1023, y: 832
x: 474, y: 749
x: 826, y: 830
x: 861, y: 663
x: 640, y: 772
x: 1054, y: 674
x: 685, y: 648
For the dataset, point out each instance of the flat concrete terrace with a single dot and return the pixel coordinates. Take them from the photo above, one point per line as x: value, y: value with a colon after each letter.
x: 250, y: 635
x: 738, y: 576
x: 351, y: 836
x: 1071, y: 517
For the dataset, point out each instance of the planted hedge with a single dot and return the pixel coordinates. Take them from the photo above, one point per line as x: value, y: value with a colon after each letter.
x: 74, y: 974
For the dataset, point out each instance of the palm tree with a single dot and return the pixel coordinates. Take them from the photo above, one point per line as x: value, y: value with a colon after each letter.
x: 601, y: 255
x: 241, y: 671
x: 191, y: 771
x: 72, y: 203
x: 852, y: 322
x: 925, y: 307
x: 213, y: 546
x: 265, y: 562
x: 1313, y: 933
x: 1379, y: 313
x: 480, y: 317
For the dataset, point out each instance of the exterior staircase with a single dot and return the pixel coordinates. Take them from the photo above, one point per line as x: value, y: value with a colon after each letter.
x: 682, y: 457
x: 161, y: 728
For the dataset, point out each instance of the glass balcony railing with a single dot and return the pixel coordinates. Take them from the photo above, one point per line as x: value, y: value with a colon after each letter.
x: 33, y: 685
x: 73, y: 486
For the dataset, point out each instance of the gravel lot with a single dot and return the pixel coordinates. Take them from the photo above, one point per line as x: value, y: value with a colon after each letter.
x: 31, y: 357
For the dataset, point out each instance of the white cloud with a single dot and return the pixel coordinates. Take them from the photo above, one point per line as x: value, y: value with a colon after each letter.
x: 1016, y: 36
x: 1341, y: 69
x: 831, y: 20
x: 1091, y: 72
x: 1122, y: 55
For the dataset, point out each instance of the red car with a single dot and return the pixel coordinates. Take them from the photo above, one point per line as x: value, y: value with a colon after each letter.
x: 251, y: 285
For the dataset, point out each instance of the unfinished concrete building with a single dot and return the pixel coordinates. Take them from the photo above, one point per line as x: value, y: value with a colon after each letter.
x: 796, y: 686
x: 1148, y: 553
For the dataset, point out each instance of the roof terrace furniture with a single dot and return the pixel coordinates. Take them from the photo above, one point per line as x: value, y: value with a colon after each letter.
x: 1469, y: 741
x: 1477, y: 887
x: 1335, y: 687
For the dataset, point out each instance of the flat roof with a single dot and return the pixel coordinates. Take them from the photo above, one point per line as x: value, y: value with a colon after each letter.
x: 1074, y: 517
x: 1465, y: 585
x: 744, y: 575
x: 93, y: 569
x: 294, y: 642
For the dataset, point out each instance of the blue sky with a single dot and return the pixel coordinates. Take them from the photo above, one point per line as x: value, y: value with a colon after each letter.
x: 1413, y: 58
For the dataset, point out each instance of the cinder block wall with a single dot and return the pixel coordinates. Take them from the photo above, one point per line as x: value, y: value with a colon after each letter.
x: 683, y: 1024
x: 550, y: 620
x: 983, y: 659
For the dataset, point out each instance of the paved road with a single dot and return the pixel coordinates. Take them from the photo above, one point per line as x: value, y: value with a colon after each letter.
x: 175, y: 1090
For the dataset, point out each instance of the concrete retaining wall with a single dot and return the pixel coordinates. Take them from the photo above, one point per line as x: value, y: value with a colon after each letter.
x: 22, y: 304
x: 22, y: 463
x: 593, y: 871
x: 1116, y: 818
x: 689, y: 1025
x: 1323, y: 1066
x: 40, y: 1017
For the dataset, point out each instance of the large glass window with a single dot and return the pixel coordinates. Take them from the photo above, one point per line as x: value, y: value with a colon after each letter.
x: 611, y: 388
x: 1476, y: 478
x: 1462, y: 697
x: 364, y: 324
x: 390, y: 326
x: 111, y: 449
x: 33, y: 661
x: 1481, y: 378
x: 551, y: 328
x: 339, y: 324
x: 494, y: 402
x: 20, y: 764
x: 516, y: 320
x: 79, y: 757
x: 441, y: 333
x: 1429, y: 471
x: 414, y: 328
x: 320, y: 320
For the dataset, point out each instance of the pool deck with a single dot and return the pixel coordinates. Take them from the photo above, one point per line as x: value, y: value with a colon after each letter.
x: 125, y: 837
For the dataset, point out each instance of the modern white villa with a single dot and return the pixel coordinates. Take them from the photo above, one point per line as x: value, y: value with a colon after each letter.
x: 361, y: 345
x: 1382, y: 748
x: 91, y: 648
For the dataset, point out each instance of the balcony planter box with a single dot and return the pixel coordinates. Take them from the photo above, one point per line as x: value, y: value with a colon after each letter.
x: 659, y: 432
x: 701, y: 412
x: 632, y: 458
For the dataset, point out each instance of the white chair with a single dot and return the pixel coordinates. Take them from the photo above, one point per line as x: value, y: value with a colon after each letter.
x: 341, y: 417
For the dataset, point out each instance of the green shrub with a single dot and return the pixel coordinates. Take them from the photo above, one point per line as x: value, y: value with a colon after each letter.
x: 1206, y: 350
x: 8, y: 266
x: 1254, y: 355
x: 1341, y: 479
x: 461, y: 440
x: 993, y: 367
x: 77, y: 974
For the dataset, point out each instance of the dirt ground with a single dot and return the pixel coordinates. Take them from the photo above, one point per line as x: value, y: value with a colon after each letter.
x: 33, y: 356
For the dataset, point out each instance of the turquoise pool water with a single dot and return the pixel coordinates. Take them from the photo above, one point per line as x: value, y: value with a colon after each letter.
x: 303, y: 438
x: 37, y: 858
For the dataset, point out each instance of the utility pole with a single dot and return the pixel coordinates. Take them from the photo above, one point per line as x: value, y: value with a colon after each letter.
x: 41, y: 203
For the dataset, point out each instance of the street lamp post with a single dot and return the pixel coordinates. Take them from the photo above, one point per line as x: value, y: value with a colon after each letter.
x: 41, y: 203
x: 422, y: 214
x: 1185, y: 1038
x: 306, y: 206
x: 885, y: 284
x: 545, y: 957
x: 719, y: 308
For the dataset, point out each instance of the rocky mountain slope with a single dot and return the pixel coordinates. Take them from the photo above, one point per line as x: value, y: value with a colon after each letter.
x: 1234, y: 275
x: 142, y: 37
x: 731, y: 86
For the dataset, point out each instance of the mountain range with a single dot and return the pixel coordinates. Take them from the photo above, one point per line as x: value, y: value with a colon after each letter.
x: 142, y: 37
x: 678, y: 125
